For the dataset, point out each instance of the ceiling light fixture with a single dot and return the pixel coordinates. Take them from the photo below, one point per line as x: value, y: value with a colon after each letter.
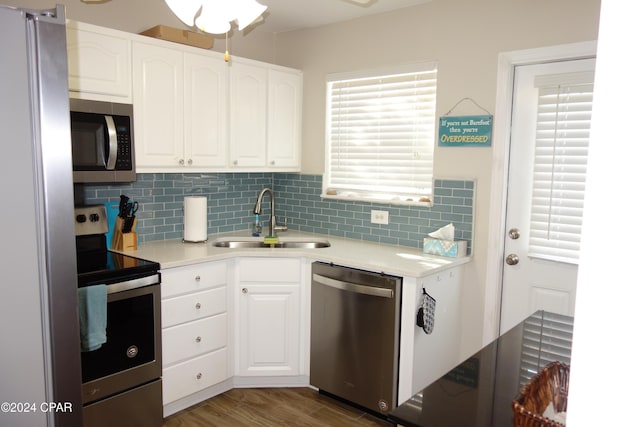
x: 215, y: 16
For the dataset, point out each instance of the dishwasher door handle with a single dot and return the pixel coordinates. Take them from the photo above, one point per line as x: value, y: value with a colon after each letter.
x: 353, y: 287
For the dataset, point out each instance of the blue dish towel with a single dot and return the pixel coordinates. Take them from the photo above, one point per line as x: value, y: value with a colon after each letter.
x: 92, y: 313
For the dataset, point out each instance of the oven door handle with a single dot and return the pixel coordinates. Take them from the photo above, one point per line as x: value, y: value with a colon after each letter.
x: 133, y: 284
x: 113, y: 143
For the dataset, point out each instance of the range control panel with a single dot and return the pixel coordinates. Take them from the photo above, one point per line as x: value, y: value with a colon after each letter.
x: 91, y: 219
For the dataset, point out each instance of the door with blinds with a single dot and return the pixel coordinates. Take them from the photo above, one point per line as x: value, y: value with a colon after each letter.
x: 549, y: 147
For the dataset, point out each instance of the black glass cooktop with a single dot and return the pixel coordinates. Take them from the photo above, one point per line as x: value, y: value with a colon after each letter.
x: 112, y: 267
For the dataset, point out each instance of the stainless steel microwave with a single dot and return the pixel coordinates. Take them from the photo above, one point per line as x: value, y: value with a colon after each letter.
x: 102, y: 145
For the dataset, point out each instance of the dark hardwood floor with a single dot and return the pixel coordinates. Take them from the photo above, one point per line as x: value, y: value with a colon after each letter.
x: 272, y: 407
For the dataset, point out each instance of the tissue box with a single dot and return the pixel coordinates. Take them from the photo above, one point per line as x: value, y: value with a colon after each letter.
x: 448, y: 248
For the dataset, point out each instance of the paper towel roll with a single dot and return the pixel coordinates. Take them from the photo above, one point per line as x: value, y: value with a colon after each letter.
x: 195, y: 219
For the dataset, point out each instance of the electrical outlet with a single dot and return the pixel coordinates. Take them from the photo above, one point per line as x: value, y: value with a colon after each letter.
x: 379, y: 217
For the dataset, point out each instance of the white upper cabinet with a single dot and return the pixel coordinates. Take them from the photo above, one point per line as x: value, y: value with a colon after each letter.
x: 180, y: 108
x: 206, y: 110
x: 99, y: 61
x: 265, y: 116
x: 158, y: 108
x: 193, y: 112
x: 284, y: 119
x: 248, y: 115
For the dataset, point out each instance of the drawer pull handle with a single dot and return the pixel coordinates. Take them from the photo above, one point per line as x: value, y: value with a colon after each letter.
x: 198, y: 306
x: 198, y: 339
x: 199, y: 376
x: 197, y: 278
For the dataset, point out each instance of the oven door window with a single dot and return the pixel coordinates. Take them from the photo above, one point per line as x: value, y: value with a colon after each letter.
x: 130, y: 337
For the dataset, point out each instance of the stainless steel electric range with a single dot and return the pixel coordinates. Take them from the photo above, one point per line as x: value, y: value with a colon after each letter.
x: 121, y: 380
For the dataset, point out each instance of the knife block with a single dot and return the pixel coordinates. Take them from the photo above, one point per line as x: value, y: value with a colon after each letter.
x: 124, y: 241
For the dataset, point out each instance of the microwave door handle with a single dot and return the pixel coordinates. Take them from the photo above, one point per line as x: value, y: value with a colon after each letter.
x: 113, y: 143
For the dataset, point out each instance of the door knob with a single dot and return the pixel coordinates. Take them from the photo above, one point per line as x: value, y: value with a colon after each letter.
x: 512, y: 259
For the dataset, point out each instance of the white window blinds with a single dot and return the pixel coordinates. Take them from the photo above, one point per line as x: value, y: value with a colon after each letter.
x: 380, y: 134
x: 560, y: 165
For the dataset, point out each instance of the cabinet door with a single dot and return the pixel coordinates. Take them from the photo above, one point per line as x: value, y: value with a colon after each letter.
x: 284, y: 119
x: 248, y: 115
x: 268, y: 324
x: 99, y: 64
x: 206, y: 92
x: 158, y: 95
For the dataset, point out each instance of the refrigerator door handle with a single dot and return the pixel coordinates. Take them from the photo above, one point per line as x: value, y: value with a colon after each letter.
x: 113, y: 143
x: 353, y: 287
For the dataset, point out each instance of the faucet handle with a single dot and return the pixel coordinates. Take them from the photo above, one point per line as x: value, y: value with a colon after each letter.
x: 281, y: 227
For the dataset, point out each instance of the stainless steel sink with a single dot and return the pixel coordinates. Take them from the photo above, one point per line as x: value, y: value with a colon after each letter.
x: 237, y: 244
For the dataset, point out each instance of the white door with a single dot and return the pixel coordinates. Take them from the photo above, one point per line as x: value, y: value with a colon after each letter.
x: 547, y: 164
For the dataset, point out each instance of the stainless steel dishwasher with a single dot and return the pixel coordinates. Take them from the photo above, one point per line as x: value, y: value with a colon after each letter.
x: 355, y: 335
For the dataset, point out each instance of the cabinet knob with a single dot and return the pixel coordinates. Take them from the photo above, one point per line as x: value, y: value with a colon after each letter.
x: 235, y: 163
x: 273, y: 162
x: 198, y: 339
x: 198, y: 306
x: 190, y: 162
x: 181, y: 162
x: 245, y: 290
x: 199, y: 375
x: 197, y: 278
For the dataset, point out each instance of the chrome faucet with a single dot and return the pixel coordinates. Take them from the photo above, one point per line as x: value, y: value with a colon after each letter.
x: 257, y: 210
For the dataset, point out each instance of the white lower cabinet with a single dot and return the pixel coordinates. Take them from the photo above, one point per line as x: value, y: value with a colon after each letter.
x: 268, y: 320
x: 195, y: 329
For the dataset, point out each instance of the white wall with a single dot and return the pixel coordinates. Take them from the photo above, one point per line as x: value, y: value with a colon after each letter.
x: 465, y: 38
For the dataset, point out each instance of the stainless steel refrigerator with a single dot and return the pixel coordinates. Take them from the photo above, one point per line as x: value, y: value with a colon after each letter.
x: 40, y: 372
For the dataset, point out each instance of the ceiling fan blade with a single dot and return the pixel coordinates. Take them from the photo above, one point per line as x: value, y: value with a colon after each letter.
x: 359, y: 2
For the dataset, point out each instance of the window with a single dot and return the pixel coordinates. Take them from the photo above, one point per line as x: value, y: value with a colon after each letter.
x: 380, y: 135
x: 560, y: 165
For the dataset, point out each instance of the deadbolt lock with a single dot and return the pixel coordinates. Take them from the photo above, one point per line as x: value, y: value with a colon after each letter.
x: 514, y: 233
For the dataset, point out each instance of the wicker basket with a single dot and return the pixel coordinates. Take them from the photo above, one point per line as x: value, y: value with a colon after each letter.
x: 551, y: 384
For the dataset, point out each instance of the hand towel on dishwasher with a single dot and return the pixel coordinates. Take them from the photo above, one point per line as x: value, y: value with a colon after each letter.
x: 426, y: 313
x: 92, y: 313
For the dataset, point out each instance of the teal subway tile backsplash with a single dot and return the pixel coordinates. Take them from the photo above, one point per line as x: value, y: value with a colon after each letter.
x: 231, y: 197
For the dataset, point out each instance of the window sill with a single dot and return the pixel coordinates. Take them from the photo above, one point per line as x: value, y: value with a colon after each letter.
x: 355, y: 198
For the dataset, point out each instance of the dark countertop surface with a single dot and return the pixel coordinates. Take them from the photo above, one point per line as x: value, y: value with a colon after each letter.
x: 479, y: 391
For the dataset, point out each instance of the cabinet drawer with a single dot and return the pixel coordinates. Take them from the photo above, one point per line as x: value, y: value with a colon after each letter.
x: 183, y: 280
x: 193, y: 339
x: 193, y: 306
x: 189, y: 377
x: 269, y: 270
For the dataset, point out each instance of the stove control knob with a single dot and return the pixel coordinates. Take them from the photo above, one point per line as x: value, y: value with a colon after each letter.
x: 81, y: 218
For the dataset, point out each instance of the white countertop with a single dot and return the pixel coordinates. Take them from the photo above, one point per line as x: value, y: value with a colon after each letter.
x: 390, y: 259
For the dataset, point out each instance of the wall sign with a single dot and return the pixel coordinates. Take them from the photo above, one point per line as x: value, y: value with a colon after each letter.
x: 465, y: 131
